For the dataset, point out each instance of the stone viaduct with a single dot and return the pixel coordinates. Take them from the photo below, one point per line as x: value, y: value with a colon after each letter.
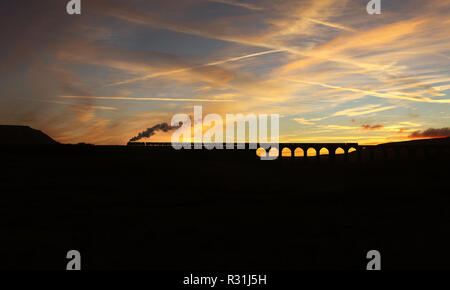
x: 330, y: 151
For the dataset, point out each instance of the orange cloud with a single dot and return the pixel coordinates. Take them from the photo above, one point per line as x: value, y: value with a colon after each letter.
x: 373, y: 127
x: 431, y: 133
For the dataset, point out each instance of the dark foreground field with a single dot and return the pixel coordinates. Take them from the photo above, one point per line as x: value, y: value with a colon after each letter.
x: 138, y: 208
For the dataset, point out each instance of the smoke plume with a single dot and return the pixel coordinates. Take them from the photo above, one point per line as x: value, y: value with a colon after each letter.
x: 151, y: 131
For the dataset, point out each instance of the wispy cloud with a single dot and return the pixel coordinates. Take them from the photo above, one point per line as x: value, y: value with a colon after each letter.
x: 333, y: 25
x: 377, y: 94
x: 79, y: 106
x: 159, y: 74
x: 364, y: 110
x: 148, y: 99
x: 431, y: 133
x: 240, y: 4
x: 303, y: 121
x: 371, y: 127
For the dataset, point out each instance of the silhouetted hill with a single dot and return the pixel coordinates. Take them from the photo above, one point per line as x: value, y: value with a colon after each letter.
x: 417, y: 142
x: 23, y: 135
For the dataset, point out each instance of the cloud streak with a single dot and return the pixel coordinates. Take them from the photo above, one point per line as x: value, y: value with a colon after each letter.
x: 148, y: 99
x: 239, y: 4
x: 431, y: 133
x: 364, y: 110
x: 372, y: 127
x: 377, y: 94
x: 220, y: 62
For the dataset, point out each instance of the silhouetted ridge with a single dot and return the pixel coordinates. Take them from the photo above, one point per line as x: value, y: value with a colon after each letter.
x: 23, y: 135
x: 430, y: 141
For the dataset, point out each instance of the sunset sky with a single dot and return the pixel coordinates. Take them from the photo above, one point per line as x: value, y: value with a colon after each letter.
x: 333, y: 72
